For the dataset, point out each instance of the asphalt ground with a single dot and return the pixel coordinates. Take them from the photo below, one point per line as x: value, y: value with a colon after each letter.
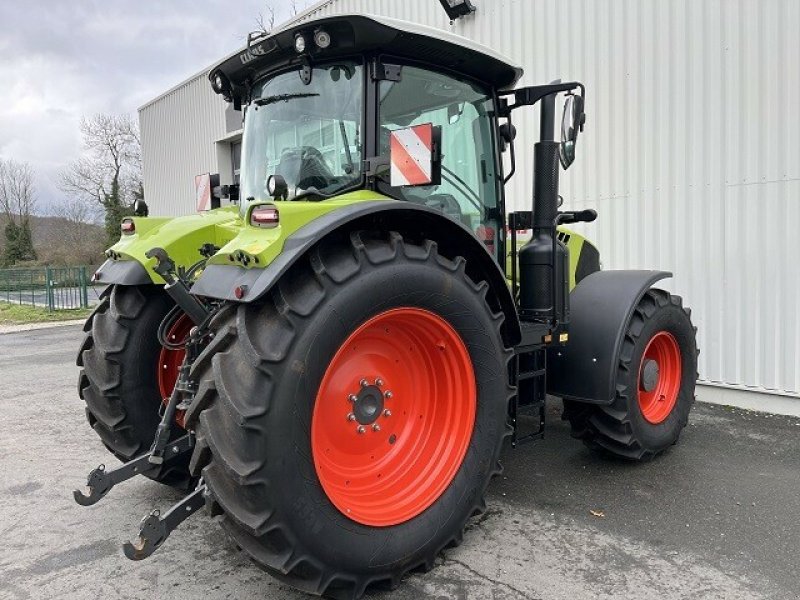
x: 715, y: 517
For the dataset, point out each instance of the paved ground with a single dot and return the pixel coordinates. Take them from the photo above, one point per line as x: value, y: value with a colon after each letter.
x: 716, y: 517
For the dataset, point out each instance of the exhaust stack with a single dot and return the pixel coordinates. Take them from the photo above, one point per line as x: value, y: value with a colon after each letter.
x: 544, y: 261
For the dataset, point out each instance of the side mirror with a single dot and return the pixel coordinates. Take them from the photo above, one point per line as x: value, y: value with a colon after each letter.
x: 140, y: 208
x: 571, y: 124
x: 415, y: 155
x: 507, y: 135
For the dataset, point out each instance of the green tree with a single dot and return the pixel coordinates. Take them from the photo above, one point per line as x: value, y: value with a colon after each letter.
x: 110, y: 171
x: 17, y: 200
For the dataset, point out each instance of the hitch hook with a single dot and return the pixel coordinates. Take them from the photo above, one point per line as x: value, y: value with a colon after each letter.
x: 154, y: 529
x: 98, y: 485
x: 100, y: 481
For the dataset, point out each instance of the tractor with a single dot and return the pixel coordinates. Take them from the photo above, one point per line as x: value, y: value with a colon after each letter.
x: 333, y: 360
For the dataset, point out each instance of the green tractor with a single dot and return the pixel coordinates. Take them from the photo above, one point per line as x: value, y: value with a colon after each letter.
x: 334, y: 364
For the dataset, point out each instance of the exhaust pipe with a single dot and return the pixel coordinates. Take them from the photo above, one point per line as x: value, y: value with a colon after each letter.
x: 543, y: 261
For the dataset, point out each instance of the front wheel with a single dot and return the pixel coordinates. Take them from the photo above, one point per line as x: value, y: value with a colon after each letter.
x: 348, y: 425
x: 656, y: 377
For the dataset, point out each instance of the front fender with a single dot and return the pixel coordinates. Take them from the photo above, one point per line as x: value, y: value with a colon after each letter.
x: 601, y: 306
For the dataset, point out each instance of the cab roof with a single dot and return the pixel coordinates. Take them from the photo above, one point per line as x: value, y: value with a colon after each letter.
x: 367, y: 34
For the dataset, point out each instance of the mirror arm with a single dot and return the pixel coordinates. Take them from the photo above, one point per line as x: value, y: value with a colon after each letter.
x: 513, y: 157
x: 512, y: 154
x: 528, y: 96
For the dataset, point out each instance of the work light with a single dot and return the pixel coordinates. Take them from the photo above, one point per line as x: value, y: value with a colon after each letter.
x: 322, y: 39
x: 277, y: 186
x: 219, y: 82
x: 457, y: 8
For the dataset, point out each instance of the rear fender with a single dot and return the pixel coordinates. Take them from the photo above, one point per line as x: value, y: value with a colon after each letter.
x: 413, y: 220
x: 601, y: 306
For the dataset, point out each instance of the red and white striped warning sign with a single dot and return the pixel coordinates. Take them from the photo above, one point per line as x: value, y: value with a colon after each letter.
x: 202, y: 191
x: 412, y: 159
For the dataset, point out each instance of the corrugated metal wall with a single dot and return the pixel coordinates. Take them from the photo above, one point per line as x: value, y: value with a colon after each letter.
x: 178, y: 134
x: 691, y: 152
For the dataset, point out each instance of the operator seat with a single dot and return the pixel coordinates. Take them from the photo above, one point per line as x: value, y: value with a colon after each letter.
x: 305, y: 167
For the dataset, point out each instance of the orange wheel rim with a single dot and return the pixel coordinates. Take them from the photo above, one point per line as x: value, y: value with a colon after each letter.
x: 393, y: 417
x: 659, y: 377
x: 170, y: 361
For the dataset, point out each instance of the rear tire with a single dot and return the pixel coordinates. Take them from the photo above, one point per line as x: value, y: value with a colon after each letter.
x: 258, y: 386
x: 118, y: 381
x: 636, y: 426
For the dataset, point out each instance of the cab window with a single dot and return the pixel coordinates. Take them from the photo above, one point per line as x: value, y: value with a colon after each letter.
x: 469, y: 187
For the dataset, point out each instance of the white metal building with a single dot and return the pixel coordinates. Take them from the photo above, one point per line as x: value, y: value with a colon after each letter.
x: 691, y: 152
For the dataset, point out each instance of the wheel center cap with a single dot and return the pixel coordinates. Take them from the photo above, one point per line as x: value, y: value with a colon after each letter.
x: 649, y: 377
x: 369, y: 405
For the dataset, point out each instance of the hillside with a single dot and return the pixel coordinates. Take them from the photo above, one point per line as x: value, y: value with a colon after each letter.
x: 59, y: 241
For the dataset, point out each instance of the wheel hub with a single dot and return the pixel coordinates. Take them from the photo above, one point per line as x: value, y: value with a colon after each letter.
x: 368, y: 404
x: 659, y: 377
x: 649, y: 377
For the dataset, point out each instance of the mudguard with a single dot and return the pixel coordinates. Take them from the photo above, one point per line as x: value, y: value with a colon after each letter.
x: 128, y: 272
x: 454, y: 239
x: 585, y: 369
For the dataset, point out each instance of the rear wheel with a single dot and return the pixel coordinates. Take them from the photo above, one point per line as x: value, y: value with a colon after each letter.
x: 124, y: 371
x: 348, y: 425
x: 656, y: 378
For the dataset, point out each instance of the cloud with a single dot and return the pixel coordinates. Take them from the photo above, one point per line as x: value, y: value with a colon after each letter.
x: 62, y: 60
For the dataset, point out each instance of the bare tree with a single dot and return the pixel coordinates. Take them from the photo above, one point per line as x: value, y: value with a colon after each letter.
x: 17, y: 193
x: 266, y: 23
x: 17, y: 202
x: 76, y: 210
x: 76, y: 239
x: 110, y: 171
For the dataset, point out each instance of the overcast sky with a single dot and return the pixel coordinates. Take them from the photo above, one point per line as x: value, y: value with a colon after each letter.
x: 62, y: 60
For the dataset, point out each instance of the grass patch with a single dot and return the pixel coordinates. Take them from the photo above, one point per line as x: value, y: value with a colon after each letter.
x: 16, y: 314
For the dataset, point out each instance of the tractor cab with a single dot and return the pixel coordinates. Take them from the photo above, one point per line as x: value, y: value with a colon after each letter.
x: 327, y: 107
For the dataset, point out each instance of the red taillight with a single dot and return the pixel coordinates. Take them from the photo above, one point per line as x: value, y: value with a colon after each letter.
x: 264, y: 216
x: 128, y: 226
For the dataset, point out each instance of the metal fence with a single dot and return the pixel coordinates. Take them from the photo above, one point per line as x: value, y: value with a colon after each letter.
x: 53, y: 288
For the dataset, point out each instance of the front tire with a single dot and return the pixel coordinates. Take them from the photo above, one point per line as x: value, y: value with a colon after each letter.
x: 301, y: 489
x: 656, y: 378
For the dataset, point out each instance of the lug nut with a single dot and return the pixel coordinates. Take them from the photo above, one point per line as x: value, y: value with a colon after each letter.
x: 387, y: 413
x: 388, y: 394
x: 379, y: 382
x: 360, y: 429
x: 376, y: 428
x: 351, y: 417
x: 364, y: 383
x: 352, y: 398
